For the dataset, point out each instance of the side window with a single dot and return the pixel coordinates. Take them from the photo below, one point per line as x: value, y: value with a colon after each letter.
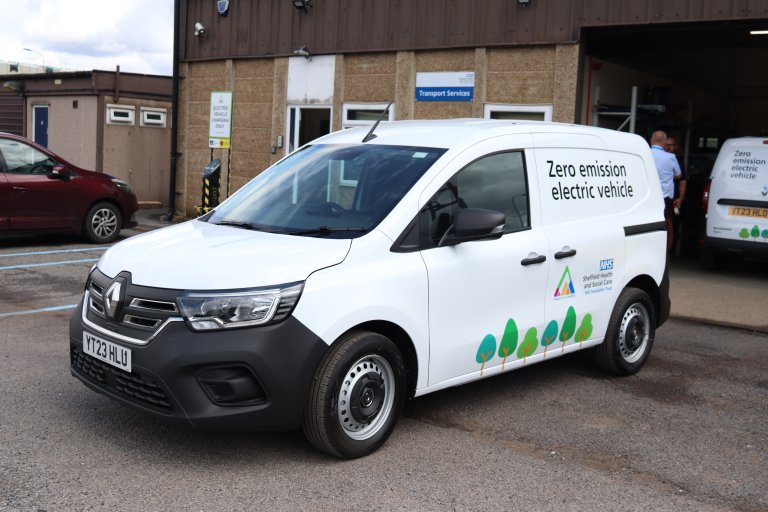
x: 23, y: 159
x: 494, y: 182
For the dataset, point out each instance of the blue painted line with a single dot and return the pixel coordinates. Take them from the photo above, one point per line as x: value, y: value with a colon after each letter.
x: 38, y: 253
x: 43, y: 310
x: 30, y: 265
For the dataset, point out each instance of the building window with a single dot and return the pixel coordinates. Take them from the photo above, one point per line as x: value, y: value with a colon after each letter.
x: 518, y: 112
x: 363, y: 114
x: 153, y: 117
x: 121, y: 114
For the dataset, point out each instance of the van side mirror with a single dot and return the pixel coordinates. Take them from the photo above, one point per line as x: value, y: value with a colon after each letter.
x: 471, y: 224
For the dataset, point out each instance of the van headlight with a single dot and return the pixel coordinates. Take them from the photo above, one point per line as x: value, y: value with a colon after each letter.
x: 206, y: 311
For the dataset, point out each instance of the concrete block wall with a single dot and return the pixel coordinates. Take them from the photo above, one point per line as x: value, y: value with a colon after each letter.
x: 544, y: 74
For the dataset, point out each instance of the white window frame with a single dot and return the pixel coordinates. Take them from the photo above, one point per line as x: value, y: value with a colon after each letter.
x: 351, y: 123
x: 145, y: 120
x: 545, y: 109
x: 127, y: 120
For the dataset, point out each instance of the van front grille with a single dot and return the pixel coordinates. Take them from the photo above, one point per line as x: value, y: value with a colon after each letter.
x: 134, y: 387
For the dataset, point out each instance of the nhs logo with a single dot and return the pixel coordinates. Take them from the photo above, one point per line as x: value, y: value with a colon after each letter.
x: 606, y: 264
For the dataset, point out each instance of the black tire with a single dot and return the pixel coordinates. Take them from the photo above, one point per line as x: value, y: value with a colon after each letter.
x: 629, y: 338
x: 356, y: 395
x: 102, y: 223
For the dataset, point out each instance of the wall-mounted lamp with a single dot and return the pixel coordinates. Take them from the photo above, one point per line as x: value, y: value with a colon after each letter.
x: 223, y: 7
x: 524, y: 3
x: 12, y: 86
x: 303, y: 52
x: 200, y: 30
x: 302, y: 5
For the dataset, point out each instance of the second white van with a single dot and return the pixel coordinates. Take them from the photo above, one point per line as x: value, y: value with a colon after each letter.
x: 737, y: 197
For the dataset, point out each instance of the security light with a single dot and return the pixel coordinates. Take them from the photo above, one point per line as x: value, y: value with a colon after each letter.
x: 302, y: 5
x: 303, y: 52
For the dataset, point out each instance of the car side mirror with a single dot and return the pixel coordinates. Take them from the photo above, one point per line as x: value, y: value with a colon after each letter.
x: 471, y: 224
x: 59, y: 172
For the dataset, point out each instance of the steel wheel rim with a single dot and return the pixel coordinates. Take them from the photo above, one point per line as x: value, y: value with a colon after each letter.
x: 104, y: 222
x: 358, y: 388
x: 634, y: 333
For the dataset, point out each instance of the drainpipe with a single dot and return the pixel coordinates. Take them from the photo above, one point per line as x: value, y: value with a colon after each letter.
x: 174, y: 113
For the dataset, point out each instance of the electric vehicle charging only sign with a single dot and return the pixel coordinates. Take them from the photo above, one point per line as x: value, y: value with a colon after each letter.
x: 220, y: 130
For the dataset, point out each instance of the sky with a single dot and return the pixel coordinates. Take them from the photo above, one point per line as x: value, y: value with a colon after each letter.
x: 137, y: 35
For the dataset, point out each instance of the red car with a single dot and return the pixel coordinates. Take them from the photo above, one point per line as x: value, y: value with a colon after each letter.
x: 41, y: 192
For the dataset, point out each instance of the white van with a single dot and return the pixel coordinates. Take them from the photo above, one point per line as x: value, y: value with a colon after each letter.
x: 737, y: 209
x: 353, y: 275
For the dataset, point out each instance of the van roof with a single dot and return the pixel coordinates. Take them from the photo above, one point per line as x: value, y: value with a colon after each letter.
x: 453, y: 132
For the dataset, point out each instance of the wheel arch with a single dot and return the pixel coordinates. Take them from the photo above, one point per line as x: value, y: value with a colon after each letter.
x: 404, y: 344
x: 648, y: 285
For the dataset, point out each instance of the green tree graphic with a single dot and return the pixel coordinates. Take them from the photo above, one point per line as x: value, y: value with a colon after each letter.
x: 764, y: 234
x: 744, y: 233
x: 549, y: 336
x: 485, y: 351
x: 569, y: 327
x: 755, y: 232
x: 585, y: 329
x: 508, y: 341
x: 529, y: 345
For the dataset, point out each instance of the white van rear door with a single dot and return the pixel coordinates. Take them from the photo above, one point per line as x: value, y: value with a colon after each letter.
x: 738, y: 197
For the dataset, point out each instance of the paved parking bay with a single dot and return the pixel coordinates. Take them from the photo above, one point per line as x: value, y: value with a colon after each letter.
x: 688, y: 433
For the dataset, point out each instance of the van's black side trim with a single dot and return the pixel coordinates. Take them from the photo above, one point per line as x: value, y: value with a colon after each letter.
x: 743, y: 202
x: 639, y: 229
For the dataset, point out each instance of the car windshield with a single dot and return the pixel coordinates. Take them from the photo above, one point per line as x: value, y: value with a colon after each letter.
x: 335, y: 191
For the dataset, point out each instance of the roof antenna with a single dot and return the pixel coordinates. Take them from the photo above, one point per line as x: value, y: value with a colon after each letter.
x: 371, y: 135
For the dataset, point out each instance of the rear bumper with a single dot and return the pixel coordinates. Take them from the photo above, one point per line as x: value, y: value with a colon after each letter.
x: 728, y: 246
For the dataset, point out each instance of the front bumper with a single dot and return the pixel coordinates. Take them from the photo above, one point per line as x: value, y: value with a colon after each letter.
x: 241, y: 379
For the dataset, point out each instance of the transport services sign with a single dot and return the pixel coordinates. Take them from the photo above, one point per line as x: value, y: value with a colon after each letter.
x: 445, y: 86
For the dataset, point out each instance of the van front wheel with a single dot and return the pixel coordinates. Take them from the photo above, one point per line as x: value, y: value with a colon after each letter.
x: 630, y: 334
x: 356, y: 395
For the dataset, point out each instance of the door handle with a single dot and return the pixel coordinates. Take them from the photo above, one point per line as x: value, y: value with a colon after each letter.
x: 533, y: 261
x: 565, y: 254
x: 20, y: 189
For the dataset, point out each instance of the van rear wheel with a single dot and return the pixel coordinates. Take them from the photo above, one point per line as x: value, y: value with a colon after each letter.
x: 356, y: 395
x: 631, y: 331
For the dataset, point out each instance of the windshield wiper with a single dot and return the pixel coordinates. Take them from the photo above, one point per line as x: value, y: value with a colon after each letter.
x: 326, y: 230
x: 246, y: 225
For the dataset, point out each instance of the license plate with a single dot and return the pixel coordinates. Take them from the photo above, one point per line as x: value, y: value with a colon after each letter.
x: 742, y: 211
x: 110, y: 353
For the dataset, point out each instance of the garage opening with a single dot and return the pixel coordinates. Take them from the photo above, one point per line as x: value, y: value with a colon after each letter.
x: 700, y: 82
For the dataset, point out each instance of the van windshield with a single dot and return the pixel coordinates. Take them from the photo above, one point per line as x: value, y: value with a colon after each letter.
x: 336, y: 191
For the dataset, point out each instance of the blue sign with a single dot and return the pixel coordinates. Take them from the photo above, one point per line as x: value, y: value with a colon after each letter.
x: 445, y: 93
x: 445, y: 86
